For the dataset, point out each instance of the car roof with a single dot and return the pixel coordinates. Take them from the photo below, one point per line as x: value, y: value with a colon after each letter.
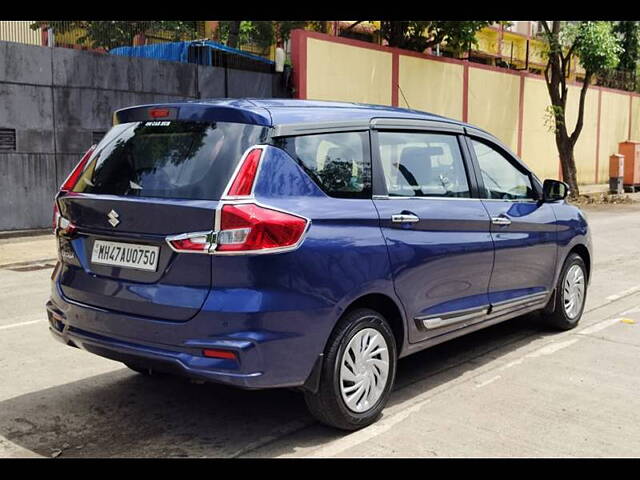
x: 281, y: 111
x: 296, y: 115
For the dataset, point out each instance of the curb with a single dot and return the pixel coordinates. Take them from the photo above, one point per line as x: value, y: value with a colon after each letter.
x: 25, y: 233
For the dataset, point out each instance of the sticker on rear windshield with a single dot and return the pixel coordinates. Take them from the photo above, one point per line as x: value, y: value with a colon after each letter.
x: 157, y: 124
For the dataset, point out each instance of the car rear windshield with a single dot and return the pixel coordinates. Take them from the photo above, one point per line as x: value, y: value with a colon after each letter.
x: 168, y: 159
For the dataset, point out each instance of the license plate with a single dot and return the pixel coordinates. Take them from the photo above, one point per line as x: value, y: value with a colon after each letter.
x: 128, y: 255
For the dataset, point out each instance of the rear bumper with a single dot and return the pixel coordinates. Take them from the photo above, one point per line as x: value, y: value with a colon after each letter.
x: 171, y: 361
x: 274, y: 349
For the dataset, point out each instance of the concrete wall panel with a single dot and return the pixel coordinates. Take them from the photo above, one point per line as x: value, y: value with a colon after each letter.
x: 25, y: 64
x: 585, y: 149
x: 493, y: 103
x: 249, y: 84
x: 344, y: 72
x: 538, y: 142
x: 211, y: 82
x: 27, y: 188
x: 56, y: 98
x: 431, y: 86
x: 77, y: 68
x: 614, y: 128
x: 635, y: 119
x: 168, y: 78
x: 25, y: 107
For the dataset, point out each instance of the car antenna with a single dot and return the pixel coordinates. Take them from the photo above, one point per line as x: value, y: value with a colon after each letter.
x: 405, y: 98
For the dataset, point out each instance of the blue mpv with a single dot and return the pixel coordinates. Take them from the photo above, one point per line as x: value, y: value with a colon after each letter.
x: 286, y: 243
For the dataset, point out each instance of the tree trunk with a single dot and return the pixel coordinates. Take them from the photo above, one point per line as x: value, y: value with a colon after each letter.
x: 555, y: 74
x: 568, y: 163
x: 234, y: 34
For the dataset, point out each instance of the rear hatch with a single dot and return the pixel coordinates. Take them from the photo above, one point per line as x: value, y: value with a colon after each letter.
x: 147, y: 180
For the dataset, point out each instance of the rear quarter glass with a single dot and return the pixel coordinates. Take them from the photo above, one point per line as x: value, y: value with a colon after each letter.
x: 168, y: 159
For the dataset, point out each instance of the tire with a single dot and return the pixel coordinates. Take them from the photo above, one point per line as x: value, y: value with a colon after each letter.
x: 328, y: 405
x: 563, y: 314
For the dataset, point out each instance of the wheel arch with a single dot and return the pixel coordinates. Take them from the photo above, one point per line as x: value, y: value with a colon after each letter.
x: 583, y: 252
x: 388, y: 308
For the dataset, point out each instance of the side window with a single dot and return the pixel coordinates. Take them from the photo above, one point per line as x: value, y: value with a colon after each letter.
x: 422, y: 165
x: 502, y: 180
x: 338, y: 162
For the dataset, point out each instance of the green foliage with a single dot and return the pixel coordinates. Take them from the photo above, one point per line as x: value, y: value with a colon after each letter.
x: 553, y: 118
x: 597, y: 46
x: 594, y: 43
x: 629, y: 40
x: 262, y: 33
x: 415, y: 35
x: 112, y: 34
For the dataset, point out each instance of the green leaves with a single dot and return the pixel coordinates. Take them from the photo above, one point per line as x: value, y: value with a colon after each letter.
x: 553, y: 118
x: 596, y: 46
x: 112, y: 34
x: 261, y: 33
x: 418, y: 36
x: 629, y: 39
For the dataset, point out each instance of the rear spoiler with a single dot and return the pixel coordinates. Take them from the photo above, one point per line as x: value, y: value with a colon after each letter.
x: 194, y: 112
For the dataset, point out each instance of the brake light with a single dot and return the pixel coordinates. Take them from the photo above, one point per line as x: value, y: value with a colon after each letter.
x: 73, y: 177
x: 245, y: 178
x: 159, y: 113
x: 250, y: 227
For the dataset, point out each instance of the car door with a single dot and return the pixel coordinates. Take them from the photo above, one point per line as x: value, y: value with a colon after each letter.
x: 437, y: 234
x: 523, y: 228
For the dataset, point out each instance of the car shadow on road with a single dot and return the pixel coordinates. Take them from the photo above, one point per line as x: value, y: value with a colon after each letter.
x: 125, y: 414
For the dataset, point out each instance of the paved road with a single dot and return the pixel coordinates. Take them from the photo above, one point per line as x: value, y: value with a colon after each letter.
x: 515, y: 389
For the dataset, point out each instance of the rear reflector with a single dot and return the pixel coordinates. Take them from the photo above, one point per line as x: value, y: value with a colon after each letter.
x: 73, y: 177
x: 250, y: 227
x: 226, y: 354
x: 245, y: 178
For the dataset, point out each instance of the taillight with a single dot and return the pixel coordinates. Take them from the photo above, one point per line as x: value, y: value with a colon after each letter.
x: 245, y: 178
x: 56, y: 214
x: 62, y: 225
x: 198, y: 242
x: 245, y: 227
x: 250, y: 227
x: 73, y: 177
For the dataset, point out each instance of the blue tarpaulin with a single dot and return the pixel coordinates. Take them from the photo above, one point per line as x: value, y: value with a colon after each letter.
x: 179, y: 51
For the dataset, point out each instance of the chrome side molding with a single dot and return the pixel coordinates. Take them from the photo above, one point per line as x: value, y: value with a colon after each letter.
x: 431, y: 322
x: 485, y: 312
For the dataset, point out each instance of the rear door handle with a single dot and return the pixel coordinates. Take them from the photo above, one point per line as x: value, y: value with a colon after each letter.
x: 404, y: 218
x: 501, y: 220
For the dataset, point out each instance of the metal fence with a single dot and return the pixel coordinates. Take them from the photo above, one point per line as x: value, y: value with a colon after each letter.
x: 620, y: 79
x: 104, y: 36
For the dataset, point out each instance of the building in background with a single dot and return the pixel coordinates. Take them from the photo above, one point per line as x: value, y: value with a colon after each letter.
x: 20, y: 32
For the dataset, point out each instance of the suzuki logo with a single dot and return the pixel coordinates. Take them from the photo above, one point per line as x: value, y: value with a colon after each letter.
x: 113, y: 218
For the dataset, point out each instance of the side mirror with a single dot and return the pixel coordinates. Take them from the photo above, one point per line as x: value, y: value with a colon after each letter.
x: 553, y: 190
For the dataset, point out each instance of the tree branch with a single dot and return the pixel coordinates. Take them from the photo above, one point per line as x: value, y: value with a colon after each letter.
x: 583, y: 95
x: 352, y: 25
